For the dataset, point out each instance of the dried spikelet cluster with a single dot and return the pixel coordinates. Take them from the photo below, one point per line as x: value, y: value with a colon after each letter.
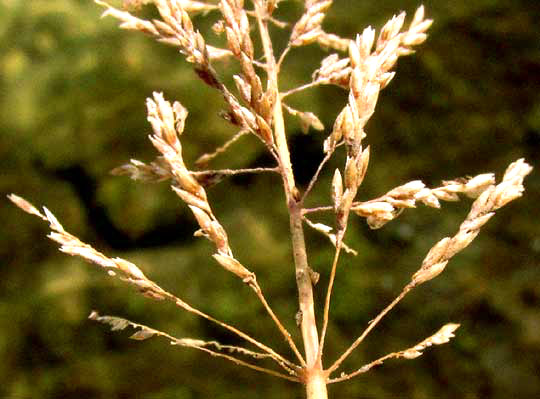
x: 492, y: 198
x: 256, y: 107
x: 386, y: 208
x: 308, y: 29
x: 71, y: 245
x: 391, y: 44
x: 168, y: 124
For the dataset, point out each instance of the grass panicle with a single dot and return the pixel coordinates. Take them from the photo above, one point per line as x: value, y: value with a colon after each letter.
x: 255, y: 105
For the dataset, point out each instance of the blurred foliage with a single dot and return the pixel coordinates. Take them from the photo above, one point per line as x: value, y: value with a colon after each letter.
x: 72, y: 108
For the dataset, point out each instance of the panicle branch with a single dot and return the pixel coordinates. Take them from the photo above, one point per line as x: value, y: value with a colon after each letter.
x: 213, y: 348
x: 389, y: 206
x: 308, y: 28
x: 367, y: 71
x: 307, y: 119
x: 175, y: 29
x: 391, y: 44
x: 260, y: 103
x: 380, y: 211
x: 131, y: 274
x: 442, y: 336
x: 327, y: 231
x: 492, y: 198
x: 168, y: 123
x: 190, y: 6
x: 483, y: 208
x: 369, y: 74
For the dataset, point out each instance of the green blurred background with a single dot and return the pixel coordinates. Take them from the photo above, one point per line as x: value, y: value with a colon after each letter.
x: 72, y: 108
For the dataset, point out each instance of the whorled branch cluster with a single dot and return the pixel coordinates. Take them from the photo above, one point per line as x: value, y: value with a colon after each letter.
x: 131, y: 274
x: 492, y: 197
